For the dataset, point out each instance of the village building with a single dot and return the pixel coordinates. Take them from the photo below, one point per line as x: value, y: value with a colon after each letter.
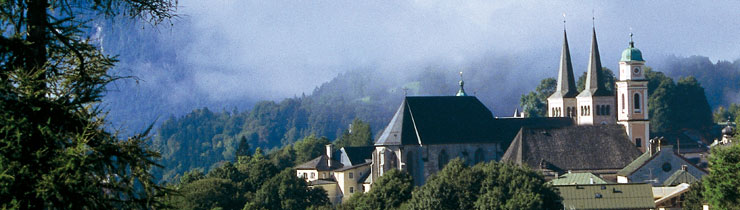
x: 340, y: 173
x: 607, y: 196
x: 662, y: 166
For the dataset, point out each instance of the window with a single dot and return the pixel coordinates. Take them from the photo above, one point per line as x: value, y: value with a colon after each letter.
x: 313, y: 175
x: 305, y: 175
x: 442, y: 160
x: 637, y: 103
x: 638, y: 142
x: 351, y: 190
x: 598, y: 110
x: 351, y: 175
x: 608, y: 109
x: 623, y: 107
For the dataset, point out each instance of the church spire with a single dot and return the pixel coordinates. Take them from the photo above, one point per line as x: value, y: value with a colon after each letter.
x: 594, y: 83
x: 461, y: 92
x: 566, y: 81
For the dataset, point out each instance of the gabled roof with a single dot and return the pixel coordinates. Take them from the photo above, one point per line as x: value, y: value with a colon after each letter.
x: 352, y: 167
x: 438, y: 120
x: 680, y: 176
x: 454, y: 120
x: 647, y: 157
x: 577, y: 179
x: 320, y: 164
x: 356, y: 155
x: 607, y: 196
x: 636, y: 164
x: 589, y: 147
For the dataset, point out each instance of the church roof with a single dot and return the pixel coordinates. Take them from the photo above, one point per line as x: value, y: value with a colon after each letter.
x: 356, y: 155
x: 594, y: 83
x: 438, y: 120
x: 591, y: 147
x: 453, y: 120
x: 320, y: 164
x: 566, y: 87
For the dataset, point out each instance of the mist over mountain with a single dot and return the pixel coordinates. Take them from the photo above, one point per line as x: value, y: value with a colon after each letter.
x: 227, y: 54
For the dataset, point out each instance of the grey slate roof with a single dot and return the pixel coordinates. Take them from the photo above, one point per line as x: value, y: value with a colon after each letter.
x: 454, y: 120
x: 566, y: 87
x: 592, y: 147
x: 438, y: 120
x: 356, y: 155
x: 320, y: 164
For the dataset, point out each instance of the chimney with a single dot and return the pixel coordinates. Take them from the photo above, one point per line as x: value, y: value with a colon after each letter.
x: 591, y: 180
x: 684, y: 167
x: 329, y: 149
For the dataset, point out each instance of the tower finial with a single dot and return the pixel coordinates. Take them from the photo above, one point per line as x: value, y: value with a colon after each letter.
x: 593, y: 19
x: 461, y: 92
x: 563, y: 21
x: 632, y: 43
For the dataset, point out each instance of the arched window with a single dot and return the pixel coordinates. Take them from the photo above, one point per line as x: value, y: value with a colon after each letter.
x: 479, y: 156
x: 392, y: 160
x: 608, y: 109
x: 410, y: 163
x: 442, y: 160
x: 637, y: 103
x: 598, y: 109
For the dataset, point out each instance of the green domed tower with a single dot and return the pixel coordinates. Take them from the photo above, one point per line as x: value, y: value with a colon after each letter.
x: 632, y: 96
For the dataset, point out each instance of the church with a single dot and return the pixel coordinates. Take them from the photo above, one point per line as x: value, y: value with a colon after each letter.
x: 592, y: 131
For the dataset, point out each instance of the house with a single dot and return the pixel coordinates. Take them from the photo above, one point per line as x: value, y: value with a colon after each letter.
x: 341, y: 174
x: 663, y: 167
x: 607, y: 196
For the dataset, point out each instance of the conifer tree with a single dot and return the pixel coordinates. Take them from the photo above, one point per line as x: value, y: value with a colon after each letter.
x: 54, y: 150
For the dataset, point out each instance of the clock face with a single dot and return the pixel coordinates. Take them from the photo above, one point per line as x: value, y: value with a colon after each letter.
x: 636, y: 70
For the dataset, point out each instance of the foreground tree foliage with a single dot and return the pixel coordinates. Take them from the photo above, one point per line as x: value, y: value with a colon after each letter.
x: 722, y: 186
x: 253, y: 182
x: 485, y: 186
x: 388, y: 192
x: 694, y: 198
x: 54, y: 151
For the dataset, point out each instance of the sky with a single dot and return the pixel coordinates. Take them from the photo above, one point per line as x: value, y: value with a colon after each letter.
x: 227, y: 50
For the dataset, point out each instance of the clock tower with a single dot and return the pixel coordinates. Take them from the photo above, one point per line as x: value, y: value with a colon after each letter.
x: 632, y: 97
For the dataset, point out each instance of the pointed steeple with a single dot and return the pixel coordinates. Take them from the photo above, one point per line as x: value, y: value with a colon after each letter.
x: 594, y: 83
x: 461, y: 92
x: 566, y: 87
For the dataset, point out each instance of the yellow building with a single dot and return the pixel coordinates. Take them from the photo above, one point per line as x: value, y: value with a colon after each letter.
x: 340, y: 173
